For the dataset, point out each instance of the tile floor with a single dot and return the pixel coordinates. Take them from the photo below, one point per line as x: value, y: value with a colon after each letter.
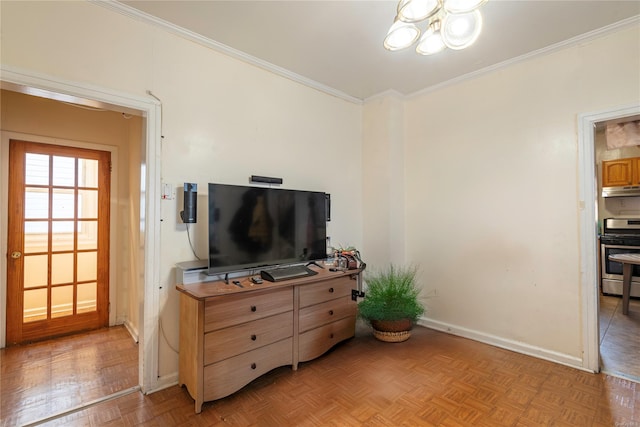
x: 620, y: 338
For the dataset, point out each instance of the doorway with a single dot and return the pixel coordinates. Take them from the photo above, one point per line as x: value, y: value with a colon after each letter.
x: 68, y: 147
x: 619, y: 333
x: 588, y: 214
x: 148, y: 229
x: 58, y: 240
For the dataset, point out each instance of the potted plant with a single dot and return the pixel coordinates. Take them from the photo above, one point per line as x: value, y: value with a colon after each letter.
x: 391, y: 304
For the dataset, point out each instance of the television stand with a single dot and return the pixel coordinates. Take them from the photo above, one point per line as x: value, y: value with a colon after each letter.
x: 314, y: 263
x: 229, y: 336
x: 286, y: 273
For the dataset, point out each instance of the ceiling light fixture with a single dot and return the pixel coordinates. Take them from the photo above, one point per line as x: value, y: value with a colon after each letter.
x: 453, y: 24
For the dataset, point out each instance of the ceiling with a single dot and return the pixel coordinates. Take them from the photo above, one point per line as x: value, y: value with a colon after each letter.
x: 337, y: 45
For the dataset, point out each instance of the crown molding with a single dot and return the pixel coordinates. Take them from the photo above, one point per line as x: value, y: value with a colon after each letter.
x: 267, y: 66
x: 221, y: 48
x: 582, y: 38
x: 389, y: 93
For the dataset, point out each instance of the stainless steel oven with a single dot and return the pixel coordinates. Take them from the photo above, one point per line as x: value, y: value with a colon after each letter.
x: 620, y: 236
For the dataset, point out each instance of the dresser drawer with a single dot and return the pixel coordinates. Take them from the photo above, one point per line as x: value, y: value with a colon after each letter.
x: 325, y: 291
x: 317, y: 341
x: 230, y: 375
x: 330, y: 311
x: 230, y: 310
x: 228, y: 342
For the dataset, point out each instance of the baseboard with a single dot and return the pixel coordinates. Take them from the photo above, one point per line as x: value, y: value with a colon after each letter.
x: 133, y: 331
x: 163, y: 382
x: 507, y: 344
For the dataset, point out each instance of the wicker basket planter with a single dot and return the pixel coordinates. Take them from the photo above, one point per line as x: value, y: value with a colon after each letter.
x: 392, y: 336
x: 391, y: 294
x: 392, y: 330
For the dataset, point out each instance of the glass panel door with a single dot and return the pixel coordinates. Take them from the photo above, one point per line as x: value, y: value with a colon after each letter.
x: 58, y: 239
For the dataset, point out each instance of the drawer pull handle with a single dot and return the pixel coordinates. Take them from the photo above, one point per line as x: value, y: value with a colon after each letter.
x: 330, y: 312
x: 330, y: 290
x: 331, y: 336
x: 253, y: 337
x: 253, y: 308
x: 253, y: 366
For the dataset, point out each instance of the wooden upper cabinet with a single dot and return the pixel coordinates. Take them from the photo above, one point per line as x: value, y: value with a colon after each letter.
x: 620, y: 172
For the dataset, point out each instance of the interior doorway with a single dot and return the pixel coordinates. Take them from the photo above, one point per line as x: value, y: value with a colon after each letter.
x: 619, y: 336
x: 148, y: 167
x: 588, y: 213
x: 74, y: 222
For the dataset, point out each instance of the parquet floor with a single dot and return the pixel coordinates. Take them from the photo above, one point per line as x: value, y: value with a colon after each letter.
x: 53, y: 376
x: 620, y: 338
x: 434, y: 379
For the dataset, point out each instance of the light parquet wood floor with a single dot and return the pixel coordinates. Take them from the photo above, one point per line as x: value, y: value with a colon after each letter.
x: 53, y: 376
x: 434, y: 379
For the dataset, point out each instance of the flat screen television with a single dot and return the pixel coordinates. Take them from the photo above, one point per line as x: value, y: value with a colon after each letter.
x: 254, y: 227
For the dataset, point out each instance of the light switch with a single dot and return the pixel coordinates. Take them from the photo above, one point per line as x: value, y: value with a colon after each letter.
x: 167, y: 191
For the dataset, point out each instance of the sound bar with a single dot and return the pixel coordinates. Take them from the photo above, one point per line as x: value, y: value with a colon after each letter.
x: 265, y: 179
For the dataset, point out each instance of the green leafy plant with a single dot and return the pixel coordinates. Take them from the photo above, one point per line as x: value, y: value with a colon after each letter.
x: 391, y: 295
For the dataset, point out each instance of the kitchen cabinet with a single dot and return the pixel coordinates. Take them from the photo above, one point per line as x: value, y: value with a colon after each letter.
x: 621, y: 172
x: 230, y: 334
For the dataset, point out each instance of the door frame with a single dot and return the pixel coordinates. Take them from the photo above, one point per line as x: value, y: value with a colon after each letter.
x: 59, y: 89
x: 587, y: 190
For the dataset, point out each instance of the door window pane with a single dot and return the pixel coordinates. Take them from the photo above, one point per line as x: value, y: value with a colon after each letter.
x: 64, y: 171
x: 61, y: 301
x: 36, y: 169
x: 35, y: 270
x: 62, y: 236
x: 36, y: 236
x: 87, y: 297
x: 61, y: 268
x: 63, y: 204
x: 87, y: 235
x: 87, y: 173
x: 87, y: 203
x: 36, y: 203
x: 87, y: 266
x: 35, y: 305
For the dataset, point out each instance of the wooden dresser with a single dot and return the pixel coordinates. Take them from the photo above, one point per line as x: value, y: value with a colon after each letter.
x: 231, y: 335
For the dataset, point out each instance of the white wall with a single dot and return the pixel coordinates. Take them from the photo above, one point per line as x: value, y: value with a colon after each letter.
x: 223, y: 120
x: 384, y: 182
x: 491, y: 197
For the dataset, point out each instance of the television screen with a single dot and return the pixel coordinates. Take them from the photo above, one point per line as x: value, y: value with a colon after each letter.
x: 253, y: 227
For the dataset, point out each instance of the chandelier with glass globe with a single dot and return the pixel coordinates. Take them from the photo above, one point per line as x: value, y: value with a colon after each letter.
x: 453, y: 24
